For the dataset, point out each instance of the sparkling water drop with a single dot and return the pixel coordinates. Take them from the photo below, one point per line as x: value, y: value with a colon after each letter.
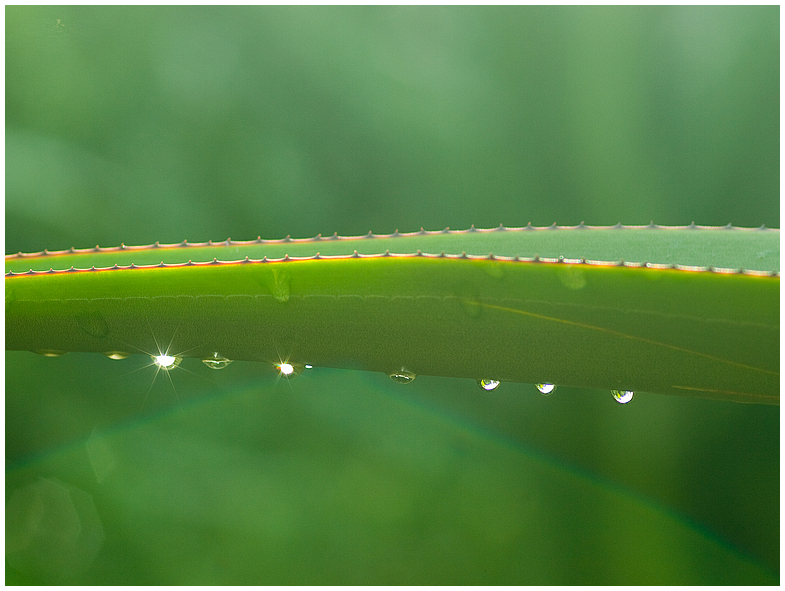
x: 216, y: 361
x: 289, y: 370
x: 50, y: 352
x: 117, y: 354
x: 166, y: 362
x: 622, y: 396
x: 403, y: 376
x: 546, y: 388
x: 488, y: 384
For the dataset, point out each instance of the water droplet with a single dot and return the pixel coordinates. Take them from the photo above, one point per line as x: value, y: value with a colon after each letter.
x: 546, y: 388
x: 166, y: 362
x: 50, y: 352
x: 117, y: 354
x: 289, y: 369
x: 622, y: 396
x: 216, y: 361
x: 308, y: 366
x: 488, y: 384
x: 403, y: 376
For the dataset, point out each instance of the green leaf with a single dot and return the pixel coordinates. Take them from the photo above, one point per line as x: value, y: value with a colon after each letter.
x: 551, y: 305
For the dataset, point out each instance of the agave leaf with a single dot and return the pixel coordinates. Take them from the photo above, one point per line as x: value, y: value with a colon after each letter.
x: 696, y: 313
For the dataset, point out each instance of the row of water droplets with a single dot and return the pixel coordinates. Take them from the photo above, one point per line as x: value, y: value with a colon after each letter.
x: 165, y: 361
x: 403, y: 376
x: 286, y: 369
x: 290, y: 370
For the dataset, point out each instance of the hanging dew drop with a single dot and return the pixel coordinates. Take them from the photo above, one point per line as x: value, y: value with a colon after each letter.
x: 546, y: 389
x: 216, y: 361
x: 622, y: 396
x: 50, y: 352
x: 403, y: 376
x: 488, y: 384
x: 289, y: 370
x: 117, y: 354
x: 166, y: 362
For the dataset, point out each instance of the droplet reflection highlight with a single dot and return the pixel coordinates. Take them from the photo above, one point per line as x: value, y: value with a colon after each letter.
x: 289, y: 370
x: 50, y: 352
x: 403, y: 376
x: 216, y: 361
x: 622, y: 396
x: 488, y: 384
x: 166, y: 362
x: 546, y: 389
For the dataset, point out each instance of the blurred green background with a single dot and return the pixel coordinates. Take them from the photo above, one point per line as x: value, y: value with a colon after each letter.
x: 143, y: 124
